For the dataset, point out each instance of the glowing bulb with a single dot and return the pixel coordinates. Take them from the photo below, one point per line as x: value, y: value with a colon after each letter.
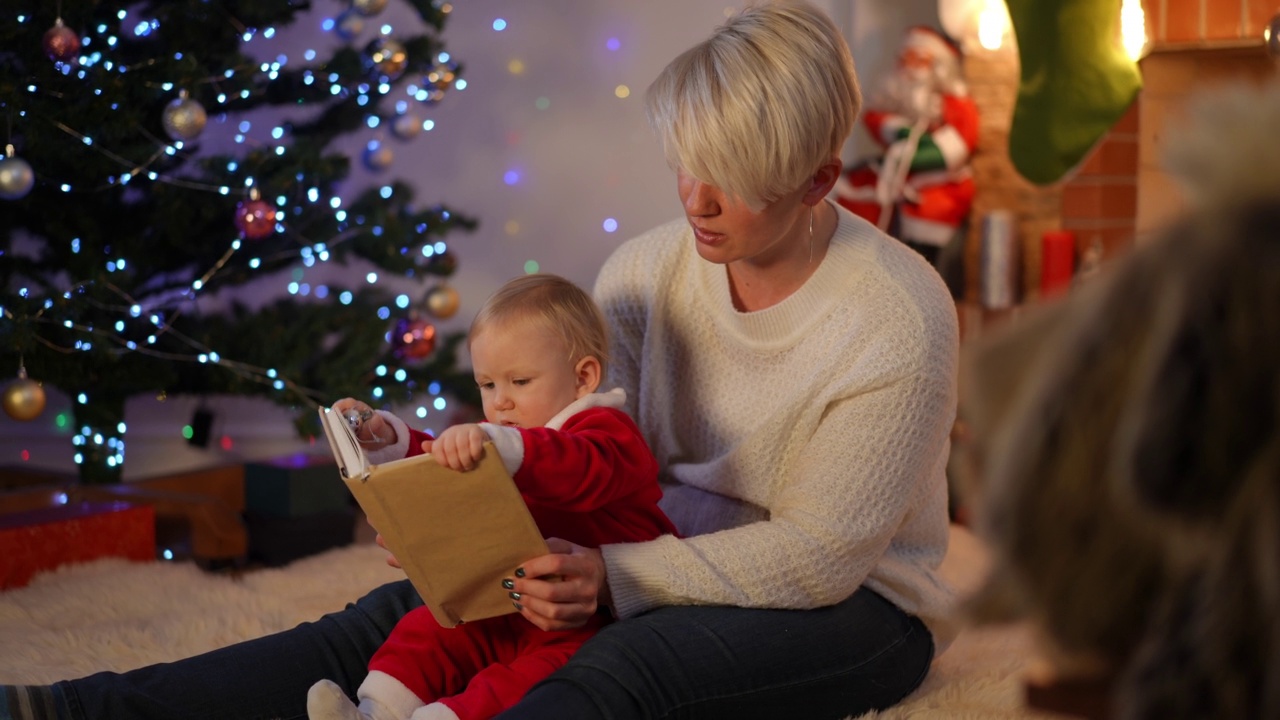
x: 1133, y: 28
x: 993, y: 23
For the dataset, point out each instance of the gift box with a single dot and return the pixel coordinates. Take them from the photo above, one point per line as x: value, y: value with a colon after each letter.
x: 198, y: 512
x: 294, y: 486
x: 41, y: 539
x: 278, y: 540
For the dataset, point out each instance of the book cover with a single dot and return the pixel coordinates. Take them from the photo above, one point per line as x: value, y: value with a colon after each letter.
x: 457, y: 534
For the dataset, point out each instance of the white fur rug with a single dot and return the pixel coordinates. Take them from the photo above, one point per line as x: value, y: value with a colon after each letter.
x: 116, y: 615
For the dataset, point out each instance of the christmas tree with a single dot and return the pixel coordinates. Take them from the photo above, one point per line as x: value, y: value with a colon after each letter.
x: 141, y: 187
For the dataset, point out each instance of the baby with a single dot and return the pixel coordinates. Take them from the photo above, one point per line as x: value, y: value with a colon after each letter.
x: 539, y: 351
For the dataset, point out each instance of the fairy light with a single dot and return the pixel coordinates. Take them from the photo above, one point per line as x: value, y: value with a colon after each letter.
x: 91, y: 65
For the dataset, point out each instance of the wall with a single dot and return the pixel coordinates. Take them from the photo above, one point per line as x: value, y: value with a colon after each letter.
x: 1194, y: 44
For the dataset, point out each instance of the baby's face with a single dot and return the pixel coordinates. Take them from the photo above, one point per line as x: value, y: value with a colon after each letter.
x: 524, y: 374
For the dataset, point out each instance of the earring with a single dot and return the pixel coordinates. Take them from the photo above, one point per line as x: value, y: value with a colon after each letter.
x: 811, y: 235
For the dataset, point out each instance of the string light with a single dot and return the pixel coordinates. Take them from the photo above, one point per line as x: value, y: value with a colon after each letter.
x: 146, y: 325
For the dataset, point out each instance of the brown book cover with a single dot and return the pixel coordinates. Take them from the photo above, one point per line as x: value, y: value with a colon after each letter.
x: 457, y: 534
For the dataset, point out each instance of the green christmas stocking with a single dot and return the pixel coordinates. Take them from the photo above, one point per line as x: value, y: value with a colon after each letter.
x: 1076, y: 83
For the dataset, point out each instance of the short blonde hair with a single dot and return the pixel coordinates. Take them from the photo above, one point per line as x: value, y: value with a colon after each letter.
x: 558, y: 305
x: 757, y: 107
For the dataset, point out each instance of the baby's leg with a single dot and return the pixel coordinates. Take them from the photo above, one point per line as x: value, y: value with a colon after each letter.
x: 435, y: 662
x: 501, y: 684
x: 389, y: 701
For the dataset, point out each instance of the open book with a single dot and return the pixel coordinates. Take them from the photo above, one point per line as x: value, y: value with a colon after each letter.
x: 457, y: 534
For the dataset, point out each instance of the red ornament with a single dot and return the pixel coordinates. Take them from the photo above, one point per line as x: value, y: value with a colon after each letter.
x: 413, y: 339
x: 443, y: 264
x: 255, y: 219
x: 60, y: 42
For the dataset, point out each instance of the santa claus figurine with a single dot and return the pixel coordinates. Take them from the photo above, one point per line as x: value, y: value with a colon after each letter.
x: 921, y: 189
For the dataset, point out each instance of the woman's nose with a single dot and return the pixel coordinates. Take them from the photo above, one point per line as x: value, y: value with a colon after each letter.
x: 699, y: 198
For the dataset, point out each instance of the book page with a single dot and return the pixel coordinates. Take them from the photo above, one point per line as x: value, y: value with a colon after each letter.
x: 352, y: 462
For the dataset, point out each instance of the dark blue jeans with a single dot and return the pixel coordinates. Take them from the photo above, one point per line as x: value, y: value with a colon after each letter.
x: 678, y: 662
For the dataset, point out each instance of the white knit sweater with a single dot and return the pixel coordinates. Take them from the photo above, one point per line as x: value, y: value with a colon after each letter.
x: 803, y: 447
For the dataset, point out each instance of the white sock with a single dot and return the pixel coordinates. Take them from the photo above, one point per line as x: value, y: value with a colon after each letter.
x: 326, y: 701
x: 434, y: 711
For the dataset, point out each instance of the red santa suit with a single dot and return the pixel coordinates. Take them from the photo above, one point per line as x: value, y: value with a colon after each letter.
x: 588, y: 477
x: 928, y: 133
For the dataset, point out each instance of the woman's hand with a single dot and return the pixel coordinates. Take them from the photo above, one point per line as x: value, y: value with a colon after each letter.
x: 372, y: 431
x: 391, y: 559
x: 562, y: 590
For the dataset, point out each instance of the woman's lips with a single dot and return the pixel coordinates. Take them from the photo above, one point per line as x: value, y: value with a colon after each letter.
x: 707, y: 237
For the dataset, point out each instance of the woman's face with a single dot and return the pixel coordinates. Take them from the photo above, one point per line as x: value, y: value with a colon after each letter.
x: 727, y: 230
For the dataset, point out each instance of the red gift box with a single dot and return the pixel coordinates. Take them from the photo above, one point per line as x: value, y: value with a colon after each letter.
x: 42, y: 539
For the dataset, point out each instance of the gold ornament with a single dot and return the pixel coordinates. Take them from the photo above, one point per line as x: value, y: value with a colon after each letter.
x: 16, y: 176
x: 368, y: 8
x: 184, y: 118
x: 24, y: 398
x: 387, y: 57
x: 442, y: 301
x: 406, y: 126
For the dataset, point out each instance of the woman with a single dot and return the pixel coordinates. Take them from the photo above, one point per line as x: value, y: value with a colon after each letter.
x: 793, y: 370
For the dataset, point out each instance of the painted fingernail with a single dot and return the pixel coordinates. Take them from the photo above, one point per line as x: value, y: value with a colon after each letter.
x: 518, y: 606
x: 514, y: 595
x: 509, y: 584
x: 520, y: 572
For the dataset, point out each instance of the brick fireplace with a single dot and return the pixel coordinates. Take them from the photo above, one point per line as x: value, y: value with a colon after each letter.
x: 1120, y: 192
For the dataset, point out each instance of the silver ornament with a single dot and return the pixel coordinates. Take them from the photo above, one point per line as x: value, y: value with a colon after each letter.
x: 349, y: 25
x: 356, y: 418
x: 406, y: 126
x: 377, y: 156
x: 368, y: 8
x: 16, y: 177
x: 184, y: 118
x: 387, y: 57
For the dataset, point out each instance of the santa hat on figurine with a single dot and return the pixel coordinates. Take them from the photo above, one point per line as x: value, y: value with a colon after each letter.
x: 926, y: 49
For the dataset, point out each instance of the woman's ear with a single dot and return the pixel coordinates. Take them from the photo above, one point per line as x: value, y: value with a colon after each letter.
x: 824, y: 178
x: 588, y: 375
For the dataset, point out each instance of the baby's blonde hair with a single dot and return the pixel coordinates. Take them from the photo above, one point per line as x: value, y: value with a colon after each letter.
x: 557, y: 305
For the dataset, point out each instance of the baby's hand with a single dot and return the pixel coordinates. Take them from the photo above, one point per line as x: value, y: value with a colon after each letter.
x: 371, y: 430
x: 459, y: 447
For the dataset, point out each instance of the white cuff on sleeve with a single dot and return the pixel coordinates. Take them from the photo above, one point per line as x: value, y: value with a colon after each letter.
x: 634, y: 572
x: 396, y: 450
x: 509, y: 443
